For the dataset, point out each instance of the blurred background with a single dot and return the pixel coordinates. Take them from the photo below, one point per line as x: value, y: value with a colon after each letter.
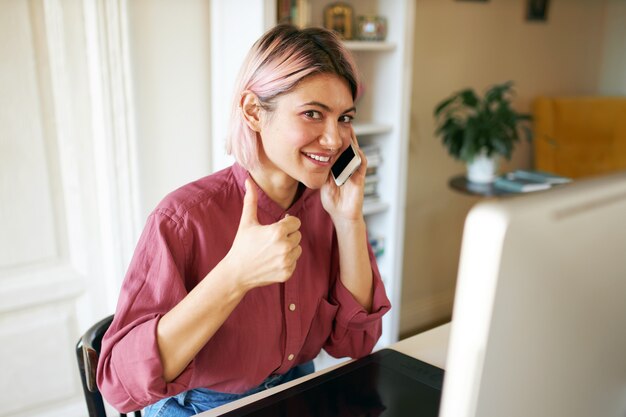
x: 108, y: 105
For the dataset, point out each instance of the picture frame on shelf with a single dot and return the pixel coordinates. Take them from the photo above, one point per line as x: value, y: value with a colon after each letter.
x: 371, y: 28
x: 338, y: 17
x: 537, y: 10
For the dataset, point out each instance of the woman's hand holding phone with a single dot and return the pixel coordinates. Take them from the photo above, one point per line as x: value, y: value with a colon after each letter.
x: 345, y: 202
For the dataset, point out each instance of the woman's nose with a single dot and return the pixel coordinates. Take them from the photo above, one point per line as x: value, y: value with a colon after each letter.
x: 331, y: 138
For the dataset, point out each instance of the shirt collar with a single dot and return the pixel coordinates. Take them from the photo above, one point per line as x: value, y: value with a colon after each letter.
x: 265, y: 203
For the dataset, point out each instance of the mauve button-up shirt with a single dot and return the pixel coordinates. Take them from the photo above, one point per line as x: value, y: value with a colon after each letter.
x: 271, y: 330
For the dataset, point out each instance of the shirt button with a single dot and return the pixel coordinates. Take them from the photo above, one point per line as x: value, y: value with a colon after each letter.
x: 290, y: 357
x: 292, y: 307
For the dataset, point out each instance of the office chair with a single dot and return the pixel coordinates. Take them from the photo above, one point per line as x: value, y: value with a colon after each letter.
x: 87, y: 350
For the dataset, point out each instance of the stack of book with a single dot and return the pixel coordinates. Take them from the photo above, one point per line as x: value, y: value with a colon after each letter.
x: 374, y: 158
x: 378, y: 244
x: 523, y: 181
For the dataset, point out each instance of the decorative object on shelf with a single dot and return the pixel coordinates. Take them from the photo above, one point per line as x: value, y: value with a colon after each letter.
x: 338, y: 17
x: 371, y: 28
x: 474, y: 128
x: 537, y: 10
x: 295, y: 12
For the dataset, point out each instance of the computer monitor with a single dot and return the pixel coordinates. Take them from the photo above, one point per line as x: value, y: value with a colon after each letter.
x: 539, y: 320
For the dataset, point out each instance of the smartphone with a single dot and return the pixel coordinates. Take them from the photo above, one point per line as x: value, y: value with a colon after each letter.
x: 346, y: 164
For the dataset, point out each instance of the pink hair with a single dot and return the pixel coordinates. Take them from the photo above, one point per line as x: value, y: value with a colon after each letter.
x: 277, y: 62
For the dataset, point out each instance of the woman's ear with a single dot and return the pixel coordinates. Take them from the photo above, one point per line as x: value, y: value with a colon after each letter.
x: 251, y: 110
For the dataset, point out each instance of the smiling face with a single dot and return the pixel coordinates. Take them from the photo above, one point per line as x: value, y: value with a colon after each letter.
x: 305, y: 132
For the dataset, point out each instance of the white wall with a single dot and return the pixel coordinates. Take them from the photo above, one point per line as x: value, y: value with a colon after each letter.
x: 232, y: 34
x: 170, y: 57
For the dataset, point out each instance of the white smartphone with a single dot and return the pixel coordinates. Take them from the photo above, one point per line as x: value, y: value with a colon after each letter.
x: 348, y: 162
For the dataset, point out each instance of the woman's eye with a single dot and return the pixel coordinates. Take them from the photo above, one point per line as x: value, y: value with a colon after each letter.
x: 313, y: 114
x: 346, y: 119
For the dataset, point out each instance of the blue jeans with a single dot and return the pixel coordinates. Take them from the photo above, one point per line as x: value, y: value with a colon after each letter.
x: 189, y: 403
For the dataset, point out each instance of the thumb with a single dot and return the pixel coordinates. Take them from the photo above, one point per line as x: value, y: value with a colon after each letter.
x: 248, y: 214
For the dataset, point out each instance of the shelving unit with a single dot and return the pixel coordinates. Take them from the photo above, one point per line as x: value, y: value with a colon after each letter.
x: 382, y: 113
x: 383, y: 121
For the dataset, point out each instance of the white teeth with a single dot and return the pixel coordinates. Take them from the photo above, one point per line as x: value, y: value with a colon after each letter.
x: 319, y: 158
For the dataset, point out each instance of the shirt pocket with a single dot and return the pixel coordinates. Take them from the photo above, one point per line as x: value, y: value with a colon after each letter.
x: 321, y: 327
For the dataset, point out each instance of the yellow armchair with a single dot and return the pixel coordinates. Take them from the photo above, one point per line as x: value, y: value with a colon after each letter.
x: 580, y: 136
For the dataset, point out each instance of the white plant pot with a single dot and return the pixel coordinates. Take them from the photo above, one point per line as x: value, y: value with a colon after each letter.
x: 483, y: 169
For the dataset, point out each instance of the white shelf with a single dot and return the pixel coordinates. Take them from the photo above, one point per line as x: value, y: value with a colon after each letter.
x: 361, y: 129
x: 370, y: 45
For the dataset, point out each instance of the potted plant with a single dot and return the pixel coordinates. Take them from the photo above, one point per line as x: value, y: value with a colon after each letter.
x: 478, y: 130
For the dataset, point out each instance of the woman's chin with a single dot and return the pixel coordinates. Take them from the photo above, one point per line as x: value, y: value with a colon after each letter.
x: 314, y: 182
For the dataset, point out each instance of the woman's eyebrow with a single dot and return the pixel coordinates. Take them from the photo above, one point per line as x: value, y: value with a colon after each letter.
x: 325, y: 107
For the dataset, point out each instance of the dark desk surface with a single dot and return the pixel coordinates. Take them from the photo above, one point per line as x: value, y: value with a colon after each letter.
x: 460, y: 183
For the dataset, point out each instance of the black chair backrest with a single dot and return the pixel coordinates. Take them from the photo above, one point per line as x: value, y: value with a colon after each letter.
x: 87, y: 350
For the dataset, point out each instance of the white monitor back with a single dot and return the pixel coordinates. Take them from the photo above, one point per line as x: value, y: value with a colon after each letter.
x: 539, y: 321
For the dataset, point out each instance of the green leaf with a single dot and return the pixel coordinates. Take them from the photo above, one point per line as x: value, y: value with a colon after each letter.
x: 501, y: 148
x: 445, y: 103
x: 497, y: 92
x: 468, y: 97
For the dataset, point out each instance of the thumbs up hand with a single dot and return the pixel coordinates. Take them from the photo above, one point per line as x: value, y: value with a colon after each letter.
x: 263, y: 255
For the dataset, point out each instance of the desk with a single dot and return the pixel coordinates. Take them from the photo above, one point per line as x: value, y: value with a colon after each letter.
x: 430, y: 346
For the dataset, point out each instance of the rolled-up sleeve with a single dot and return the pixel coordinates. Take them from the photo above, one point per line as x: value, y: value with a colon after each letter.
x: 356, y: 331
x: 130, y: 371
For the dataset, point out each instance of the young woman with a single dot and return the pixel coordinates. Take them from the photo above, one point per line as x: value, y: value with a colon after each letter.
x: 242, y: 277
